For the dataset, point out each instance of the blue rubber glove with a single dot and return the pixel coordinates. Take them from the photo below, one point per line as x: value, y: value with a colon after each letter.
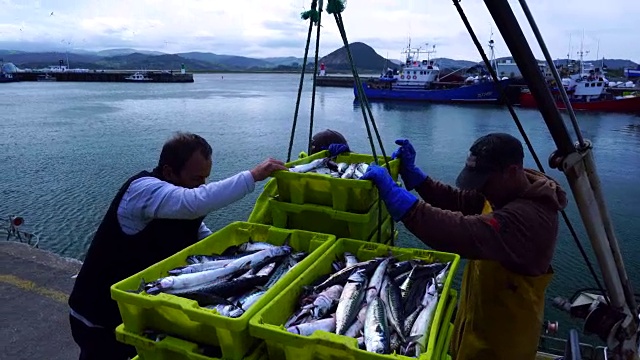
x: 337, y: 149
x: 411, y: 175
x: 398, y: 200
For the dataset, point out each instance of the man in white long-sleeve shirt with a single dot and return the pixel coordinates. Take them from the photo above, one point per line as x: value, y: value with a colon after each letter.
x: 153, y: 215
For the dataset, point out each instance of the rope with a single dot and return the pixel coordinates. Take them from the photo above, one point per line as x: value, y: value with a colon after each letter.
x: 308, y: 14
x: 502, y: 91
x: 315, y: 75
x: 364, y: 105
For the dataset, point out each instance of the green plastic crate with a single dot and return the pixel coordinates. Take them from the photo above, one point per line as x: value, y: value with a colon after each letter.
x: 171, y: 348
x: 350, y: 195
x: 324, y: 219
x: 385, y: 238
x: 447, y: 344
x: 442, y: 345
x: 183, y: 318
x: 267, y: 324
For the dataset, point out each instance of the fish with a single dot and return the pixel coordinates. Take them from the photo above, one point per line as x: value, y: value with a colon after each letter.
x: 306, y: 329
x: 262, y: 257
x: 246, y: 303
x: 345, y: 273
x: 376, y: 330
x: 422, y: 326
x: 309, y: 166
x: 392, y: 300
x: 200, y: 266
x: 350, y: 259
x: 376, y: 280
x: 358, y: 324
x: 348, y: 174
x: 350, y: 301
x: 326, y: 301
x: 195, y: 281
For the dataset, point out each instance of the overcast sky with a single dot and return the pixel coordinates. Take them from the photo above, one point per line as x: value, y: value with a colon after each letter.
x: 261, y: 28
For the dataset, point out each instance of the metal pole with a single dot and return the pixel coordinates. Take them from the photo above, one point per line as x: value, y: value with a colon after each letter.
x: 554, y: 71
x: 516, y: 42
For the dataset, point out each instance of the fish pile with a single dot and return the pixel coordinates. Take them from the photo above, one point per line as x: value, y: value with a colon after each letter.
x: 231, y: 282
x: 388, y: 306
x: 326, y: 166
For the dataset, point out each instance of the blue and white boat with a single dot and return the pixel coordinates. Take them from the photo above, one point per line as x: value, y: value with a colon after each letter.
x: 419, y: 80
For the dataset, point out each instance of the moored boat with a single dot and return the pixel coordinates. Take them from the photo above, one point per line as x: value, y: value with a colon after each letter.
x: 419, y: 81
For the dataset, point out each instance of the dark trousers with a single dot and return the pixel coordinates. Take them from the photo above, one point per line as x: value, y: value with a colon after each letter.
x: 99, y: 343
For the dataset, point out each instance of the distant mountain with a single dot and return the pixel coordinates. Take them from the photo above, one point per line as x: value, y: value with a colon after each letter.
x: 137, y: 61
x: 119, y: 52
x: 228, y: 61
x: 287, y: 61
x: 612, y: 64
x: 365, y: 57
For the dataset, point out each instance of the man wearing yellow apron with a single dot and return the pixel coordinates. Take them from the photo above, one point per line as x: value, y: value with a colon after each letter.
x: 509, y: 248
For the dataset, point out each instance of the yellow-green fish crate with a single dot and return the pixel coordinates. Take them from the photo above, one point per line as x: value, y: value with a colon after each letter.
x: 385, y: 238
x: 348, y: 195
x: 171, y: 348
x: 324, y: 219
x: 184, y: 318
x: 281, y: 344
x: 444, y: 335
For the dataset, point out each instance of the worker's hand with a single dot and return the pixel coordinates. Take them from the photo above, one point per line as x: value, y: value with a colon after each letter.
x: 398, y: 200
x: 411, y: 175
x: 337, y: 149
x: 266, y: 168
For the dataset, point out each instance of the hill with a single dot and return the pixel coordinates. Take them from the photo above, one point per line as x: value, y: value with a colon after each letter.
x: 365, y: 57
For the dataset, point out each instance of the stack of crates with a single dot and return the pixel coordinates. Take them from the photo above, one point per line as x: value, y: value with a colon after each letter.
x: 346, y: 208
x: 191, y: 332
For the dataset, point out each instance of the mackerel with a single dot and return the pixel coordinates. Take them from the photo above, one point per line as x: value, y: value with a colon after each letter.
x: 198, y: 267
x: 376, y: 280
x: 193, y: 281
x: 262, y: 257
x: 327, y: 301
x: 342, y: 275
x: 393, y: 304
x: 376, y: 329
x: 309, y: 166
x: 350, y: 259
x: 306, y: 329
x: 350, y: 301
x: 356, y: 328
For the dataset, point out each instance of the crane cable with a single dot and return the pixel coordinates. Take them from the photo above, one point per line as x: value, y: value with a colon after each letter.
x: 502, y: 91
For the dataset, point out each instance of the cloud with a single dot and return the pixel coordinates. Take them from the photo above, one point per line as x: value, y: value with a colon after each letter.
x: 273, y: 28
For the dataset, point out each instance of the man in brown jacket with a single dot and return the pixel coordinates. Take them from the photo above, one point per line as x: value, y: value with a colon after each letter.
x: 510, y: 249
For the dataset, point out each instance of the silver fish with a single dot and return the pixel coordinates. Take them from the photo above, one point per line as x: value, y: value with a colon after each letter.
x: 344, y: 274
x: 350, y: 259
x: 195, y: 280
x: 357, y: 326
x: 376, y: 280
x: 326, y: 301
x: 376, y: 329
x: 198, y: 267
x: 348, y: 174
x: 262, y: 257
x: 255, y: 246
x: 350, y: 301
x: 246, y: 303
x: 393, y: 304
x: 442, y: 275
x: 394, y: 343
x: 310, y: 166
x: 306, y: 329
x: 266, y: 270
x: 410, y: 320
x: 422, y: 326
x: 342, y: 167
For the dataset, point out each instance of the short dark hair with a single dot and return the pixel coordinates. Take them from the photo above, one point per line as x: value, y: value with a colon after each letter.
x: 321, y: 140
x: 179, y: 149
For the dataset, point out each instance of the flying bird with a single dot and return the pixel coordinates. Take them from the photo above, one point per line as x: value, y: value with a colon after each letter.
x: 51, y: 14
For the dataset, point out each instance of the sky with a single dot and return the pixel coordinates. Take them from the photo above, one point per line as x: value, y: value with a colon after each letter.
x: 261, y: 28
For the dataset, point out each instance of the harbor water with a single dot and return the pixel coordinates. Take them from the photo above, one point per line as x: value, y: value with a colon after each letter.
x: 66, y: 148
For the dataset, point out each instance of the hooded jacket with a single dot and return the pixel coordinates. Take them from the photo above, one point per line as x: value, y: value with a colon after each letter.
x: 521, y: 235
x: 509, y: 249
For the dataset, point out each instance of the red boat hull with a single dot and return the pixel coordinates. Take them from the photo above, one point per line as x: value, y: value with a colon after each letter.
x: 627, y: 105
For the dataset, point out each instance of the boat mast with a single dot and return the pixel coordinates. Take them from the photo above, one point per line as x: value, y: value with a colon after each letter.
x: 578, y: 165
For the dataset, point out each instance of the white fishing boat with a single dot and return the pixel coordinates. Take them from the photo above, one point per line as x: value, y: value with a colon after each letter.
x: 138, y: 77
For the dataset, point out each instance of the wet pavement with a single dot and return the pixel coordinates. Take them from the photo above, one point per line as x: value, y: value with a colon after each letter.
x: 34, y: 288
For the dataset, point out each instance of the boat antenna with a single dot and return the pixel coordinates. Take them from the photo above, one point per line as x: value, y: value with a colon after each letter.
x: 569, y: 52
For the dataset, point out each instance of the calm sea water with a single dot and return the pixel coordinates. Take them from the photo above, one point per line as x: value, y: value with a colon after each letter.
x: 65, y: 149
